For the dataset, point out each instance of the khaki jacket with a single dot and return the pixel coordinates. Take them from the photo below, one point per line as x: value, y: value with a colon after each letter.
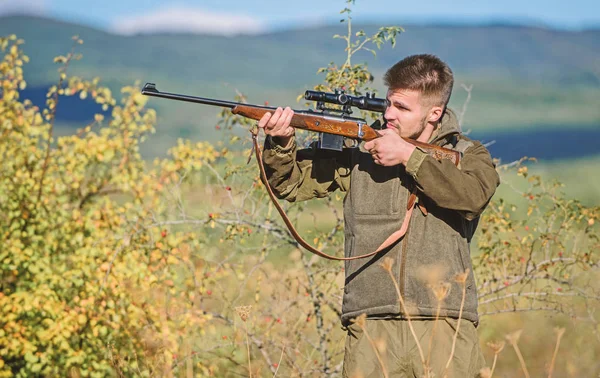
x: 375, y: 206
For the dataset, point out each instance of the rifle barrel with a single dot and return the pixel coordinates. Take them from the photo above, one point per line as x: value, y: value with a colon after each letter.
x: 150, y: 90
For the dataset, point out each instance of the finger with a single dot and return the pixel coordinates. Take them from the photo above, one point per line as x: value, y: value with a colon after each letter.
x: 290, y: 114
x: 274, y: 118
x: 263, y: 121
x: 284, y: 121
x: 384, y: 132
x: 390, y: 130
x: 288, y: 119
x: 370, y: 145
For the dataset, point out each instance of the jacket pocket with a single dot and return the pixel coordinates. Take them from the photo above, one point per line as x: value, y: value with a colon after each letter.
x: 375, y: 191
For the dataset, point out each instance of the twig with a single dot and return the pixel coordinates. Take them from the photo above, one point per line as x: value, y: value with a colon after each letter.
x: 279, y: 363
x: 461, y: 116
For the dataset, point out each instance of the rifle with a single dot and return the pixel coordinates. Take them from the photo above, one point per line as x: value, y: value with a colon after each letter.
x: 333, y: 125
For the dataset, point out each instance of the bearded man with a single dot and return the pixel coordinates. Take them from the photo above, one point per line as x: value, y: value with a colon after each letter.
x: 378, y: 178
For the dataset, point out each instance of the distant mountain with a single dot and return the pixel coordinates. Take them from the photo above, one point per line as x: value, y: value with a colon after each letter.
x: 291, y: 57
x: 522, y: 76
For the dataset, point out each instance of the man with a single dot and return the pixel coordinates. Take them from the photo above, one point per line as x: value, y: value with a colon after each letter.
x: 378, y: 178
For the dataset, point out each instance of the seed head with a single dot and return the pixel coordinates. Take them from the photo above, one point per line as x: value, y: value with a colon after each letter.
x: 496, y: 346
x: 461, y: 278
x: 441, y: 290
x: 513, y: 338
x: 432, y: 274
x: 243, y: 312
x: 559, y: 331
x: 387, y: 264
x: 486, y: 372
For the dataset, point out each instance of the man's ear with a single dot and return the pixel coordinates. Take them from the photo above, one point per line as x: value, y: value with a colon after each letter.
x: 435, y: 114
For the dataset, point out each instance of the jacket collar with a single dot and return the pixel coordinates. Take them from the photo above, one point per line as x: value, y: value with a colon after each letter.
x: 447, y: 127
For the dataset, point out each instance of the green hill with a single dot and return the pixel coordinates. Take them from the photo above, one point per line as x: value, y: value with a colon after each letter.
x: 494, y: 51
x: 522, y: 77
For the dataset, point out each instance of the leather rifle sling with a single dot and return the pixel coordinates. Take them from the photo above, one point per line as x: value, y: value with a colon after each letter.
x: 392, y: 239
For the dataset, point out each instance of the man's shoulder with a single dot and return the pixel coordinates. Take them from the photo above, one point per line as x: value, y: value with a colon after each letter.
x: 470, y: 146
x: 465, y: 144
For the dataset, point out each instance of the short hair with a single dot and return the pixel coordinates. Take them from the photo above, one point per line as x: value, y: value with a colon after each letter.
x: 425, y: 73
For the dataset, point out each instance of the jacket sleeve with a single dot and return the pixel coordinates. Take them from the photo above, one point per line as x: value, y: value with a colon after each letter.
x: 467, y: 189
x: 299, y: 175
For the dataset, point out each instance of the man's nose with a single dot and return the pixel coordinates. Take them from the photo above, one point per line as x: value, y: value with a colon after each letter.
x: 388, y: 114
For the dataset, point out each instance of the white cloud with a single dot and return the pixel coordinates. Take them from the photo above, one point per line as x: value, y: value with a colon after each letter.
x: 188, y: 20
x: 29, y: 7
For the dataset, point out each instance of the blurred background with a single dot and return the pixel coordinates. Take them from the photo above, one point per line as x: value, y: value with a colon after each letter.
x: 527, y: 73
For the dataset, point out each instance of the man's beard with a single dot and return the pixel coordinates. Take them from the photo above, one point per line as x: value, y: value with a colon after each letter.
x: 418, y: 132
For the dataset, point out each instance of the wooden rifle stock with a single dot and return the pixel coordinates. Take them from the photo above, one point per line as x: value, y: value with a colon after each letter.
x: 349, y: 128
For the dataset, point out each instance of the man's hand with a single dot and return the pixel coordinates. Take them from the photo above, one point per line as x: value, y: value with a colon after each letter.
x: 277, y: 125
x: 389, y: 149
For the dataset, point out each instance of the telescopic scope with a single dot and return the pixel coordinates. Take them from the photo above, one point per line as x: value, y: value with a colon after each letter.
x: 367, y: 102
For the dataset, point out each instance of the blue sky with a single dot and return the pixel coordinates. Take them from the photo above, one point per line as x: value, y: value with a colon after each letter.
x: 233, y: 16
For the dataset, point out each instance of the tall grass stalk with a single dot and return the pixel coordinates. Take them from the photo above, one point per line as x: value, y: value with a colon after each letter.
x: 559, y: 334
x: 435, y: 323
x: 513, y: 339
x: 462, y: 280
x: 440, y: 291
x: 248, y: 350
x: 244, y: 313
x: 361, y: 322
x: 387, y: 266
